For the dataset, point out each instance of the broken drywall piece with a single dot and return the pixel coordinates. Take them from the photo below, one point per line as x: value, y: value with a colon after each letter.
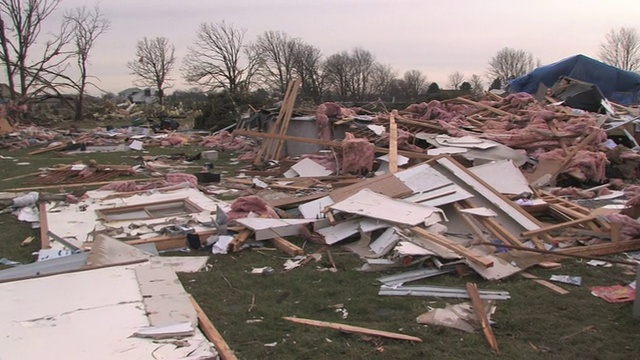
x: 464, y: 142
x: 340, y: 231
x: 445, y: 195
x: 265, y: 228
x: 405, y: 248
x: 458, y: 316
x: 504, y: 176
x: 447, y: 150
x: 371, y: 204
x: 422, y: 178
x: 385, y: 242
x: 136, y: 145
x: 179, y: 330
x: 107, y: 251
x: 309, y: 168
x: 313, y: 209
x: 182, y: 264
x: 221, y: 246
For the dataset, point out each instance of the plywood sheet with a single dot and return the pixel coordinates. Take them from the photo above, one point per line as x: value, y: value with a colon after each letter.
x: 387, y: 184
x: 504, y: 176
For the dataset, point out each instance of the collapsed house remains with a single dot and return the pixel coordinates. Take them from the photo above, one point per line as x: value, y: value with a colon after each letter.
x: 454, y: 184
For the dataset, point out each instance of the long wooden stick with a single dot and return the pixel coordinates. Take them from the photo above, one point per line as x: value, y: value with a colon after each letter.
x: 393, y: 143
x: 478, y: 308
x: 212, y: 333
x: 353, y: 329
x: 453, y: 246
x: 560, y: 253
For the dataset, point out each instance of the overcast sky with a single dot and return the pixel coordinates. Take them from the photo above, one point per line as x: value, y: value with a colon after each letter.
x: 434, y: 36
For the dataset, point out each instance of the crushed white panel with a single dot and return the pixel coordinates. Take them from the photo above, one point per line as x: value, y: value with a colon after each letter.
x: 480, y: 211
x: 165, y: 300
x: 269, y: 228
x: 165, y: 332
x: 504, y: 176
x: 464, y: 142
x: 447, y: 150
x: 422, y: 178
x: 405, y: 248
x: 441, y: 196
x: 181, y: 264
x: 310, y: 168
x: 106, y: 307
x: 340, y: 231
x: 384, y: 242
x: 369, y: 225
x: 313, y: 209
x: 69, y: 220
x: 371, y: 204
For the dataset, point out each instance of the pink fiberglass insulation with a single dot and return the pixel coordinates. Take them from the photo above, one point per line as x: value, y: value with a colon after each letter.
x: 241, y: 208
x: 326, y: 111
x: 573, y: 193
x: 326, y: 160
x: 630, y: 228
x: 175, y: 140
x: 586, y: 165
x: 178, y: 178
x: 224, y: 140
x: 130, y: 186
x: 357, y: 155
x: 404, y: 141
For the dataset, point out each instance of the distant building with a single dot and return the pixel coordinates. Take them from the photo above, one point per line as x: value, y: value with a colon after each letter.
x: 140, y: 96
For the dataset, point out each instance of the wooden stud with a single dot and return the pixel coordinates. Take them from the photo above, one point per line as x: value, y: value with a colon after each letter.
x: 45, y: 242
x: 545, y: 283
x: 478, y: 308
x: 560, y: 226
x: 212, y: 333
x: 393, y: 143
x: 239, y: 239
x: 353, y: 329
x: 285, y: 246
x: 453, y: 246
x: 471, y: 223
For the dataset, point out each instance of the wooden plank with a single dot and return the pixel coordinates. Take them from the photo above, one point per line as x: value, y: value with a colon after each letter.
x: 478, y: 308
x: 287, y: 116
x: 393, y: 143
x: 353, y: 329
x: 67, y: 186
x: 453, y: 246
x: 615, y: 232
x: 239, y: 239
x: 487, y: 107
x: 45, y: 242
x: 560, y: 226
x: 553, y: 287
x: 285, y: 246
x: 295, y: 200
x: 27, y: 241
x: 468, y: 219
x: 212, y: 333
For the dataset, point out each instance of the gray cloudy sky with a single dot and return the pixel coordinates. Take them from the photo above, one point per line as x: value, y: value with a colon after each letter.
x: 435, y: 36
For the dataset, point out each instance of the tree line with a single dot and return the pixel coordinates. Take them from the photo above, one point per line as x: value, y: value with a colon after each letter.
x: 222, y: 60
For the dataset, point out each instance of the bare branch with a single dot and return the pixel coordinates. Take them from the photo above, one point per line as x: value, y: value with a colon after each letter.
x: 155, y: 60
x: 621, y: 49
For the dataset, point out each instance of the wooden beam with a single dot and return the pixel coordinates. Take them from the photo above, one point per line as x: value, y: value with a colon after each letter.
x: 286, y: 246
x: 453, y: 246
x: 393, y: 143
x: 553, y: 287
x: 560, y: 226
x: 475, y: 229
x: 239, y: 239
x: 487, y: 107
x: 478, y: 308
x: 353, y: 329
x: 212, y: 333
x: 45, y: 242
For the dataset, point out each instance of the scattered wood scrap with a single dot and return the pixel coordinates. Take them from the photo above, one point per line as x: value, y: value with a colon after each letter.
x: 212, y: 333
x: 353, y: 329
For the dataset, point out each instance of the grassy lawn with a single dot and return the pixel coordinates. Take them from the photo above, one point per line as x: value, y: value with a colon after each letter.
x: 535, y: 323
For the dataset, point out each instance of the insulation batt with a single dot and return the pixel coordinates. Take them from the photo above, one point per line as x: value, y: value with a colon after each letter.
x: 224, y: 140
x: 242, y: 206
x: 357, y: 154
x: 630, y: 228
x: 324, y: 112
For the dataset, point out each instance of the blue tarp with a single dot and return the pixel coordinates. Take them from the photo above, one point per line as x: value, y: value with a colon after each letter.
x: 617, y: 85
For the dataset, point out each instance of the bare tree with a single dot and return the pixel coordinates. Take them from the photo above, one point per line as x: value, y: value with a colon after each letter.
x: 382, y: 80
x: 21, y: 23
x: 621, y: 49
x: 278, y: 57
x: 155, y: 60
x: 476, y: 84
x: 509, y: 64
x: 337, y: 74
x: 414, y: 83
x: 363, y: 63
x: 216, y: 59
x: 87, y: 26
x: 455, y: 79
x: 308, y: 64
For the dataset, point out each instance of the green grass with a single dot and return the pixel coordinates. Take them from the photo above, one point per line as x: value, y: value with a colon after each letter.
x: 531, y: 325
